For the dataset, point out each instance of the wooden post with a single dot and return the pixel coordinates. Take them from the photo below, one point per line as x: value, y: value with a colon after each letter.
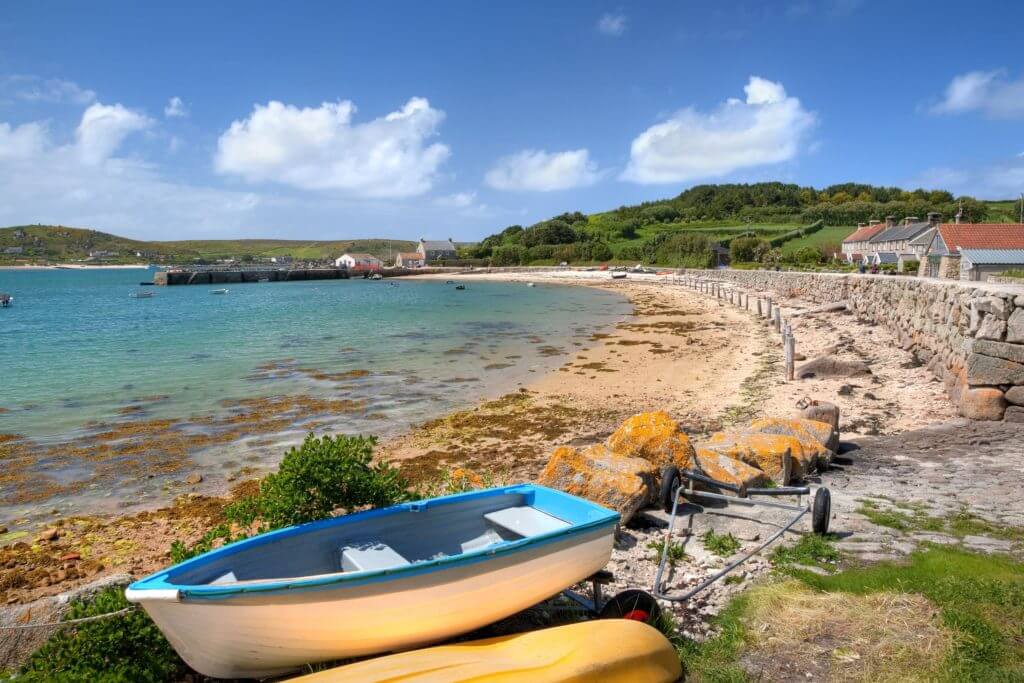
x: 778, y: 320
x: 748, y: 301
x: 759, y: 313
x: 788, y: 347
x: 768, y: 308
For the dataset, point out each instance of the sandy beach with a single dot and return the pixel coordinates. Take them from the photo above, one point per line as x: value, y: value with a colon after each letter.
x: 708, y: 363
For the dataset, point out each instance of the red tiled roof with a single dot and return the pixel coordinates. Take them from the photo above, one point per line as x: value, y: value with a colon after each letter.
x: 982, y: 236
x: 865, y: 233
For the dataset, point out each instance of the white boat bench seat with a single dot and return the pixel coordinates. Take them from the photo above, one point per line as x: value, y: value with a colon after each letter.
x: 369, y: 556
x: 526, y: 521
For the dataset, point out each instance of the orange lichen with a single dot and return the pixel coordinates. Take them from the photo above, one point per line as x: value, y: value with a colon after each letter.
x: 655, y: 437
x: 813, y: 436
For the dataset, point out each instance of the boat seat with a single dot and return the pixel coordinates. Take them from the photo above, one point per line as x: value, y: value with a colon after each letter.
x: 525, y: 521
x: 361, y: 557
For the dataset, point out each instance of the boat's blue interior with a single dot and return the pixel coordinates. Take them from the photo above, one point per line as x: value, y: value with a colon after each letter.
x: 393, y: 537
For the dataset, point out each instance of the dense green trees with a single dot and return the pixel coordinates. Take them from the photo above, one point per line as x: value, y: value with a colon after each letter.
x: 656, y: 232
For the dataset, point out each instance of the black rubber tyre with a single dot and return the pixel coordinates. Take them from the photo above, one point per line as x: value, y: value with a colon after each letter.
x: 670, y: 481
x: 821, y: 513
x: 632, y: 604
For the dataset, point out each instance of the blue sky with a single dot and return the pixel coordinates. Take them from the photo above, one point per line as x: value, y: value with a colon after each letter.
x: 330, y: 120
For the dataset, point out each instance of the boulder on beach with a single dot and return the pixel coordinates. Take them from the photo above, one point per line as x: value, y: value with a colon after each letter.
x: 830, y: 366
x: 622, y: 483
x: 730, y: 470
x: 770, y: 453
x: 823, y: 411
x: 818, y: 439
x: 655, y: 437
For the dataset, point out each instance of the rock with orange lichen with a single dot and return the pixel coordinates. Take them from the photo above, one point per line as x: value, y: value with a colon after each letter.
x: 655, y: 437
x: 621, y: 483
x: 730, y: 470
x: 815, y: 437
x: 770, y: 453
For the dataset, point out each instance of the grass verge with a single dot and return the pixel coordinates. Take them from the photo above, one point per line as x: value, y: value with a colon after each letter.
x: 944, y: 614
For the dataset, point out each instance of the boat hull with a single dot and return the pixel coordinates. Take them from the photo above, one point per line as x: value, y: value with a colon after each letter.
x: 600, y: 651
x: 264, y: 634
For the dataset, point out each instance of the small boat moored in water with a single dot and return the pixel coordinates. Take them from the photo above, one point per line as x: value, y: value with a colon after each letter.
x: 219, y: 291
x: 390, y: 579
x: 619, y: 275
x: 5, y: 300
x: 141, y: 294
x: 599, y: 651
x: 460, y: 286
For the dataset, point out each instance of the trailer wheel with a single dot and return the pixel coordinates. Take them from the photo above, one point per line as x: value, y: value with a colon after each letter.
x: 670, y: 481
x: 633, y: 604
x: 821, y: 514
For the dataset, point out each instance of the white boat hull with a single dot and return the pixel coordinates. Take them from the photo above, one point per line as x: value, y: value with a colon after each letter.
x: 263, y: 634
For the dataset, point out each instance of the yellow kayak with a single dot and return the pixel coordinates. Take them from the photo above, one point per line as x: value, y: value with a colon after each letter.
x: 605, y: 650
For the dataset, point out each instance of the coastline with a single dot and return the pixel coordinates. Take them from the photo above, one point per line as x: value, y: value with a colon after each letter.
x: 709, y: 364
x: 80, y: 266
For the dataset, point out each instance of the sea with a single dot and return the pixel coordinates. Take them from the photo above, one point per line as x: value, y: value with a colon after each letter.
x: 108, y: 401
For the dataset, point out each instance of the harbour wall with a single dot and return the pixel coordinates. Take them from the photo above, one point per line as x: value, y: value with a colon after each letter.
x: 970, y: 335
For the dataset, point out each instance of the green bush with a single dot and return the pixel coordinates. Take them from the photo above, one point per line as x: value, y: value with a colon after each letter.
x: 747, y: 249
x: 319, y: 477
x: 508, y: 255
x: 314, y: 480
x: 128, y: 648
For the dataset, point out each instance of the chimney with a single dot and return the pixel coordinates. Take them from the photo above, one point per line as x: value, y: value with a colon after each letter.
x: 890, y: 221
x: 873, y: 222
x: 960, y: 213
x: 910, y: 219
x: 860, y: 225
x: 934, y: 217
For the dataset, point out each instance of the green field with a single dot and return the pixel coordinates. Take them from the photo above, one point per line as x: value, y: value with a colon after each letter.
x: 58, y: 244
x: 828, y: 236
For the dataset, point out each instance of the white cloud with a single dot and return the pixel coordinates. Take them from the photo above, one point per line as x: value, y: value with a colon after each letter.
x: 457, y: 200
x: 52, y: 90
x: 104, y: 127
x: 22, y: 142
x: 766, y: 128
x: 540, y: 171
x: 322, y: 149
x: 988, y: 92
x: 82, y: 181
x: 175, y: 108
x: 612, y: 24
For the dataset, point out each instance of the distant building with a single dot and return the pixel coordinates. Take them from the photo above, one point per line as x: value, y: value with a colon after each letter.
x: 411, y: 259
x: 858, y: 241
x: 281, y: 260
x: 358, y: 262
x: 102, y: 254
x: 972, y: 251
x: 437, y: 250
x: 14, y: 250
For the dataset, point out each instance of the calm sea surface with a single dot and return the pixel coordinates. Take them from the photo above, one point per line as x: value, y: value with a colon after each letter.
x: 79, y: 357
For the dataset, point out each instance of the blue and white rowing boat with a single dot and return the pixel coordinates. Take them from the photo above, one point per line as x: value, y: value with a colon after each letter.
x: 382, y: 580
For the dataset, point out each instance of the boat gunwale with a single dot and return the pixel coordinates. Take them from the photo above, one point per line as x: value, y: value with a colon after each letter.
x: 157, y: 587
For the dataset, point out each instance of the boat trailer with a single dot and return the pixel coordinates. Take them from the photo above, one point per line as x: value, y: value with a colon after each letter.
x: 673, y: 489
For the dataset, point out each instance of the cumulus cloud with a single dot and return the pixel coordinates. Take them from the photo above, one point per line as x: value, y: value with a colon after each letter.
x: 104, y: 127
x: 49, y: 90
x: 988, y: 92
x: 765, y: 128
x: 612, y: 24
x: 321, y: 148
x: 540, y: 171
x: 175, y: 108
x: 83, y: 181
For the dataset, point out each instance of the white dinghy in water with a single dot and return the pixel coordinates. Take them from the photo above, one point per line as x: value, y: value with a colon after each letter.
x: 376, y: 581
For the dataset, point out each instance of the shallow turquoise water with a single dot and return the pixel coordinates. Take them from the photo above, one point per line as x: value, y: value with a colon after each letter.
x: 76, y: 348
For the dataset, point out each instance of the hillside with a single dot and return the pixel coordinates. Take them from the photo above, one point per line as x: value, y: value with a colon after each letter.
x: 682, y: 230
x: 59, y: 244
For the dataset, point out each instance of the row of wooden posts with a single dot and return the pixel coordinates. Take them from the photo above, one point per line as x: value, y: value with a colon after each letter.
x: 766, y: 311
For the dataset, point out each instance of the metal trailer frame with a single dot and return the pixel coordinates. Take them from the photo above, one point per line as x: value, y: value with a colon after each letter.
x: 820, y: 508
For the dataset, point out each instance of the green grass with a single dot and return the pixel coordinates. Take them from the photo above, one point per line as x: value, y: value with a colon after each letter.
x: 812, y: 550
x: 908, y: 517
x: 676, y: 552
x: 722, y: 545
x: 830, y: 235
x: 979, y: 598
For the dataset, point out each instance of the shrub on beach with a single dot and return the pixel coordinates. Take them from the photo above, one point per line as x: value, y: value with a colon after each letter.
x: 312, y: 482
x: 126, y: 648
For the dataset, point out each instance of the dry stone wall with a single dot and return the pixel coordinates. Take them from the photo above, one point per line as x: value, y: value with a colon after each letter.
x: 969, y: 335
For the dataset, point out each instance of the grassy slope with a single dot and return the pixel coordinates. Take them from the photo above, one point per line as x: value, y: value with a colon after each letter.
x: 55, y: 244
